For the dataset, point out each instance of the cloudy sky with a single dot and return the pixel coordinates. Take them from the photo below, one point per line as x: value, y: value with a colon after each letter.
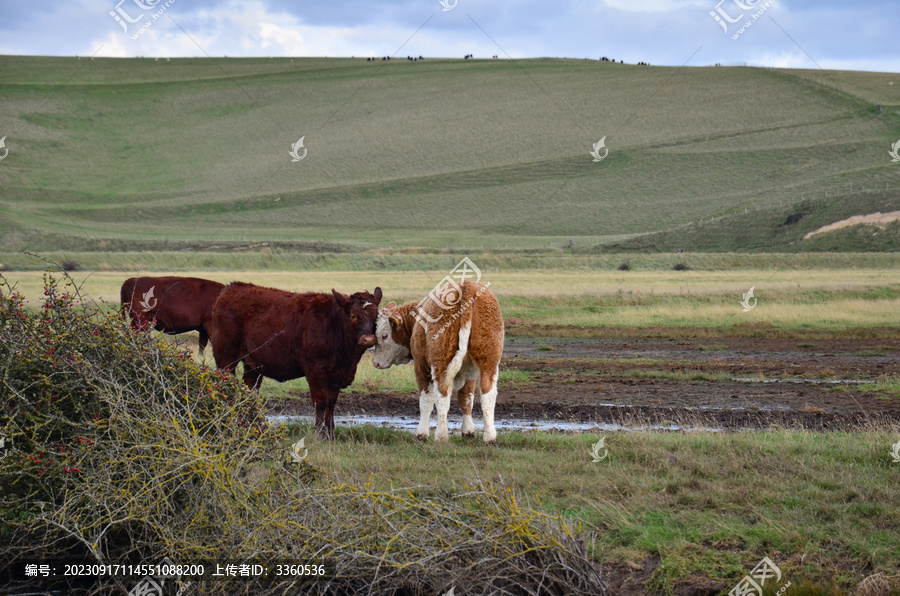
x: 858, y: 35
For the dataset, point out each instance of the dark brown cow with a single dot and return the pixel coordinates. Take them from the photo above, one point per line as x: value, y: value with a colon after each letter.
x: 283, y: 336
x: 171, y: 304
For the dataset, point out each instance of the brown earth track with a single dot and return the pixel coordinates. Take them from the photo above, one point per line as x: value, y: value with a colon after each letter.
x: 605, y: 381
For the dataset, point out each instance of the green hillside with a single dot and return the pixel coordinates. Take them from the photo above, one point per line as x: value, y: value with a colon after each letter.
x: 140, y: 153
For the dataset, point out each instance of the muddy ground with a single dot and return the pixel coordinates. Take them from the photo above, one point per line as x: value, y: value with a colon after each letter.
x: 726, y: 383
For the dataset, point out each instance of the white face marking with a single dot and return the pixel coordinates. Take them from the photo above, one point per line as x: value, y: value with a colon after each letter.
x: 366, y: 304
x: 387, y: 351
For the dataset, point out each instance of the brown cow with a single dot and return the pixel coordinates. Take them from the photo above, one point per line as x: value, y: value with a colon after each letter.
x: 283, y: 336
x: 172, y: 304
x: 454, y: 340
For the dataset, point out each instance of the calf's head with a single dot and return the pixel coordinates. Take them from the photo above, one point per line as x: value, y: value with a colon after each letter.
x: 360, y: 311
x: 393, y: 338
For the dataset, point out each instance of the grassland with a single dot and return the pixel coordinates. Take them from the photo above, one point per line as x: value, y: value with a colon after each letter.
x: 703, y: 507
x: 438, y: 153
x: 827, y: 300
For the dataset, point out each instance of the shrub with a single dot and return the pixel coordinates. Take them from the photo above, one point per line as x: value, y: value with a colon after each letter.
x: 69, y: 265
x: 123, y: 449
x: 680, y: 267
x: 624, y: 267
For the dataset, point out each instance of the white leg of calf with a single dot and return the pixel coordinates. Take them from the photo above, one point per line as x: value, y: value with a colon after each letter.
x: 442, y: 435
x: 468, y: 426
x: 488, y: 401
x: 426, y: 405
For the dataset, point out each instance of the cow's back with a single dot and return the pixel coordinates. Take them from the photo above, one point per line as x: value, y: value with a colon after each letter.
x: 271, y: 330
x: 477, y: 313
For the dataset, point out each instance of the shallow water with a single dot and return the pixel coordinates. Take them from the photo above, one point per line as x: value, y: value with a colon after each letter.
x: 410, y: 423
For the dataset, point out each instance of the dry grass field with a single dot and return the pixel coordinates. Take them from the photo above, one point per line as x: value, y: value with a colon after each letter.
x: 824, y: 299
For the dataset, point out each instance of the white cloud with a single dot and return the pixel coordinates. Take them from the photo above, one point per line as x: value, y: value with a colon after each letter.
x: 655, y: 5
x: 250, y: 29
x: 289, y: 41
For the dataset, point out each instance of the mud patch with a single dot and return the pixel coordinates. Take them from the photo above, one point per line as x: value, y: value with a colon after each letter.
x: 590, y: 385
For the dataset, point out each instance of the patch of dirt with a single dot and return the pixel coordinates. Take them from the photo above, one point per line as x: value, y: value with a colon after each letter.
x: 872, y: 219
x: 612, y: 381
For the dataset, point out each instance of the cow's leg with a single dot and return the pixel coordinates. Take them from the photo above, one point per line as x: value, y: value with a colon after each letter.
x: 489, y: 376
x: 204, y: 338
x: 321, y: 395
x: 252, y: 376
x: 465, y: 397
x: 426, y: 405
x: 329, y: 411
x: 426, y: 402
x: 442, y: 392
x: 323, y: 428
x: 252, y: 379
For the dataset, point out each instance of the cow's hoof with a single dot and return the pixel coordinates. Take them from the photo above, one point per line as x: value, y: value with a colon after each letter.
x: 422, y: 438
x: 469, y: 435
x: 492, y: 442
x: 442, y: 439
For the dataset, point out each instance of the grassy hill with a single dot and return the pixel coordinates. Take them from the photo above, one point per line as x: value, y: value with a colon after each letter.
x: 112, y: 154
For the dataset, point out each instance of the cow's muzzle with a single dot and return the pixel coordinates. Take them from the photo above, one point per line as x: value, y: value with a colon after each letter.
x: 367, y: 341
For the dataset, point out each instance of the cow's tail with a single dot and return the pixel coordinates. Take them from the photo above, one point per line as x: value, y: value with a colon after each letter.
x: 465, y: 330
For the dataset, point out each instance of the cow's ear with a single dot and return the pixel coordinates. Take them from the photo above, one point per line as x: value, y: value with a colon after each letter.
x: 341, y: 299
x: 377, y: 295
x: 391, y: 304
x: 396, y: 320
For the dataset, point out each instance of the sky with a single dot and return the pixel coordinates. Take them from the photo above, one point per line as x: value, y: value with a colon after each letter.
x: 829, y: 34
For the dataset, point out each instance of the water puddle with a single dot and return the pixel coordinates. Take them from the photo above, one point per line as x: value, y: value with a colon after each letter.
x: 410, y: 423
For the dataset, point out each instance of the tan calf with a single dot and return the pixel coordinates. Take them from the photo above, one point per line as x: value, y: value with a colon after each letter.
x: 455, y: 343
